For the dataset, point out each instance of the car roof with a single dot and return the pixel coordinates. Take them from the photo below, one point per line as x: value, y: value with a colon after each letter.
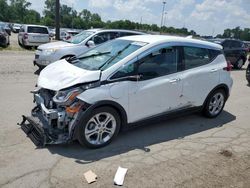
x: 158, y: 39
x: 114, y: 30
x: 30, y: 25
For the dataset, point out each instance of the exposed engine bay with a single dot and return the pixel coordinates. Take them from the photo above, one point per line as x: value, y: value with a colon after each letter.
x: 55, y: 115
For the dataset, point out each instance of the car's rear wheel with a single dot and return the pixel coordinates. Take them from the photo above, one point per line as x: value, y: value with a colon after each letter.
x: 99, y: 128
x: 239, y: 64
x: 214, y: 103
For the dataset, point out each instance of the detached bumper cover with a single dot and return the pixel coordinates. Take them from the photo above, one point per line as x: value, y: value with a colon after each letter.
x: 39, y: 134
x: 34, y: 131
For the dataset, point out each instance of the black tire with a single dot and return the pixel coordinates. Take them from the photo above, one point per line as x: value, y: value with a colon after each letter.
x: 248, y: 74
x: 239, y: 64
x: 207, y: 107
x: 85, y: 123
x: 20, y: 44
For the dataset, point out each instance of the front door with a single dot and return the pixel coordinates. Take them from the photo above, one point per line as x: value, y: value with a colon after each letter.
x: 159, y: 88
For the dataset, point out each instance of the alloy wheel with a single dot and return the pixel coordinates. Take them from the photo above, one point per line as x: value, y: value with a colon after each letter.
x: 216, y: 104
x: 100, y: 128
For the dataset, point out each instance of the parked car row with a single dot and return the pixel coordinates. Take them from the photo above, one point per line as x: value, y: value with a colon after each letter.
x: 65, y: 34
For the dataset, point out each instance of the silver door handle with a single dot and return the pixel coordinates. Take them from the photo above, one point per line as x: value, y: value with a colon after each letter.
x: 174, y: 80
x: 213, y: 70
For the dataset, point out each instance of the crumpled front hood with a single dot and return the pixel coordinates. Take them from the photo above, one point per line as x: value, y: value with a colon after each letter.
x: 59, y: 44
x: 61, y: 74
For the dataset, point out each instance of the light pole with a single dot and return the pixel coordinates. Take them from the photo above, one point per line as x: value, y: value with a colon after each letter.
x: 162, y: 15
x: 165, y: 17
x: 57, y: 19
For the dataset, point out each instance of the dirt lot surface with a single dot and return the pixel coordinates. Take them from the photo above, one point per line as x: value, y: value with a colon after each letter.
x: 190, y: 151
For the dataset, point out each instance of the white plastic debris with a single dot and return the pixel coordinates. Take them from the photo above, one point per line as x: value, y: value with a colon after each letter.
x: 90, y: 176
x: 120, y: 175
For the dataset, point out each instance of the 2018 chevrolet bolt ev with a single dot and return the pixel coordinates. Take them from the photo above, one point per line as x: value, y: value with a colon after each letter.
x: 123, y: 82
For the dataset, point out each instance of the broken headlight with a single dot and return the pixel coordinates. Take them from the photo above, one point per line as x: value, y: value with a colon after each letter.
x: 66, y: 97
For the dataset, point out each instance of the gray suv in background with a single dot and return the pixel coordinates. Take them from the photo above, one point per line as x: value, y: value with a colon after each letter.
x: 78, y: 44
x: 33, y: 35
x: 235, y: 51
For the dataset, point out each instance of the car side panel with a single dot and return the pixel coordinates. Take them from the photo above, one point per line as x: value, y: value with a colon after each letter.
x: 116, y: 92
x: 200, y: 81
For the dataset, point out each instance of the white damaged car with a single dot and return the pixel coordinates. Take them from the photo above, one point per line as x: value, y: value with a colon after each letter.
x: 123, y: 82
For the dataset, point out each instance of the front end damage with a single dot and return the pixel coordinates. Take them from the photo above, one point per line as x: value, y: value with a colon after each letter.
x: 54, y: 117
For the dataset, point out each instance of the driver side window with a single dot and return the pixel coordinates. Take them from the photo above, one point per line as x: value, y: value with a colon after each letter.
x: 159, y: 63
x: 100, y: 38
x: 126, y: 70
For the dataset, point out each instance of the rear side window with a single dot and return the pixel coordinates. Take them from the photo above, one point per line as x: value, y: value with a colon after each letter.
x: 195, y: 57
x: 101, y: 38
x: 123, y: 34
x: 226, y: 44
x: 113, y: 35
x: 42, y: 30
x: 236, y: 44
x: 214, y: 54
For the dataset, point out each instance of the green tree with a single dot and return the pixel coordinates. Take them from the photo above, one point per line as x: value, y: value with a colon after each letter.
x: 4, y: 9
x: 19, y: 9
x: 32, y: 17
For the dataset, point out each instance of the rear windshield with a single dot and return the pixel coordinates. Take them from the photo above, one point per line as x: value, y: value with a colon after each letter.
x: 43, y: 30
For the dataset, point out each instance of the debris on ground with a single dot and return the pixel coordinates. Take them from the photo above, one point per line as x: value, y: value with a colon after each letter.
x: 226, y: 153
x: 90, y: 176
x: 120, y: 175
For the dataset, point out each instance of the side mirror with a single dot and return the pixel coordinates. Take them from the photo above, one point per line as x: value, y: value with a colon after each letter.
x: 134, y: 77
x: 90, y: 43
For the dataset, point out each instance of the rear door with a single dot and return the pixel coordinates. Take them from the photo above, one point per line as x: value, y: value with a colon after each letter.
x: 38, y: 34
x: 200, y: 75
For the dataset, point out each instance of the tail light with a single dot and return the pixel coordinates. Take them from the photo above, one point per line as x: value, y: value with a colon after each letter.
x: 25, y: 36
x: 228, y: 67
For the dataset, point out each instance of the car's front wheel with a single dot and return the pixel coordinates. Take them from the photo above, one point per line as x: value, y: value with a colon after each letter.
x: 99, y: 128
x: 214, y: 104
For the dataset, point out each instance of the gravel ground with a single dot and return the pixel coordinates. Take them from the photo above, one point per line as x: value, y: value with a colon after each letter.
x: 189, y: 151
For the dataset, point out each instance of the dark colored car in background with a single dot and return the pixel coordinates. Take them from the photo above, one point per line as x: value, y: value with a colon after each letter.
x: 247, y: 45
x: 4, y: 37
x: 6, y: 27
x: 235, y: 51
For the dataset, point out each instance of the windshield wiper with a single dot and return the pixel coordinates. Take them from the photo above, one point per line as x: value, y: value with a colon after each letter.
x: 113, y: 57
x: 95, y: 54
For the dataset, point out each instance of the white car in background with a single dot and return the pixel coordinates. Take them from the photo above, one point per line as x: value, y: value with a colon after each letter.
x: 123, y: 82
x: 33, y: 35
x: 76, y: 45
x: 16, y: 28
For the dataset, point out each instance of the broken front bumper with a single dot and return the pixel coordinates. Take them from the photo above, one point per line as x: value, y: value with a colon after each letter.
x: 35, y: 131
x: 41, y: 133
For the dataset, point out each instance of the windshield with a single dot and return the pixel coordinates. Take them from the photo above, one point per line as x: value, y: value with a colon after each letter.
x: 80, y: 37
x: 107, y: 54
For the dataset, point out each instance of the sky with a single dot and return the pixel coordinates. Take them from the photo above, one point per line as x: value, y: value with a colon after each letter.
x: 206, y: 17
